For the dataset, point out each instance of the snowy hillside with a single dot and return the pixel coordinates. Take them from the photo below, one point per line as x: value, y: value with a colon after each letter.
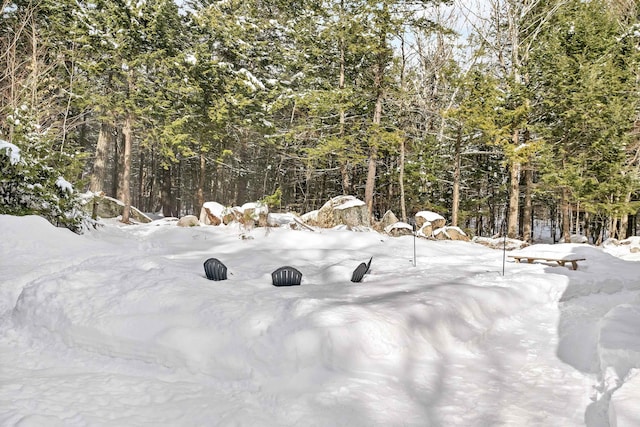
x: 120, y: 327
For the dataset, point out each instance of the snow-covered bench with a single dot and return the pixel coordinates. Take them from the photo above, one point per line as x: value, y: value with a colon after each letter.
x: 561, y: 261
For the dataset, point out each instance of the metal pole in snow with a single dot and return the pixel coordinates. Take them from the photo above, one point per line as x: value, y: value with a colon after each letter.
x: 504, y: 244
x: 414, y: 250
x: 413, y: 223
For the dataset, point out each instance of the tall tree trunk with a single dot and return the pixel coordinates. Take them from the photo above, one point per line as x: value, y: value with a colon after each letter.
x: 344, y: 163
x: 514, y: 194
x: 514, y: 199
x: 139, y: 196
x: 527, y: 208
x: 566, y: 215
x: 99, y: 174
x: 403, y: 203
x: 201, y: 177
x: 116, y: 186
x: 165, y: 194
x: 455, y: 203
x: 624, y: 219
x: 126, y: 168
x: 370, y: 185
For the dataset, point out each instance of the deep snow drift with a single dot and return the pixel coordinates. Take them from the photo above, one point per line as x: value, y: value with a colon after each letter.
x: 120, y: 327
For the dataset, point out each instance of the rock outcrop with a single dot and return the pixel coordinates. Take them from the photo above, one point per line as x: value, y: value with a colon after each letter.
x: 450, y: 233
x: 108, y: 207
x: 344, y: 210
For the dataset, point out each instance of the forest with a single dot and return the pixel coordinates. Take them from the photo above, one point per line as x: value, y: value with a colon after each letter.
x: 494, y: 113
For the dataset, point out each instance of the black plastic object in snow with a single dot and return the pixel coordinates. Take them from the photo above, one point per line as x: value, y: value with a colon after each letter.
x: 286, y: 276
x: 360, y: 271
x: 215, y: 270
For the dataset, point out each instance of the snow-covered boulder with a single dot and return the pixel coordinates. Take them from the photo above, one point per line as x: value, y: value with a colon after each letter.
x: 426, y: 230
x: 399, y: 228
x: 500, y: 243
x: 255, y: 214
x: 389, y: 218
x: 578, y: 238
x: 212, y: 213
x: 310, y: 218
x: 188, y: 221
x: 108, y: 207
x: 436, y: 220
x: 450, y: 233
x: 344, y: 210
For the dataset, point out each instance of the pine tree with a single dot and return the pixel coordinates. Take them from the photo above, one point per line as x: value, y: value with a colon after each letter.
x: 586, y: 72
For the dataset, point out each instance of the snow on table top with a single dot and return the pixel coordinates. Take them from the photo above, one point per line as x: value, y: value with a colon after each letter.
x: 561, y: 251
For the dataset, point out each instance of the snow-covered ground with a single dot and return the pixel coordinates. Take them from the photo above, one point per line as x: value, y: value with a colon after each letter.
x: 120, y: 327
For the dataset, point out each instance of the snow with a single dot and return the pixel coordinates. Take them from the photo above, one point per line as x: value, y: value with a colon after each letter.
x: 347, y: 202
x: 429, y: 216
x: 256, y: 207
x: 215, y: 208
x: 120, y: 326
x: 398, y: 225
x: 10, y: 150
x: 64, y: 185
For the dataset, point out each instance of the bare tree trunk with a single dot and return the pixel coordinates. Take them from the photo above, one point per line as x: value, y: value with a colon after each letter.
x: 165, y: 194
x: 116, y: 186
x: 105, y: 139
x: 624, y: 219
x: 34, y: 63
x: 514, y: 199
x: 344, y: 164
x: 527, y: 208
x: 369, y: 189
x: 566, y: 215
x: 139, y: 194
x: 403, y: 204
x: 126, y: 170
x: 455, y: 203
x: 201, y: 177
x: 613, y: 227
x: 370, y: 185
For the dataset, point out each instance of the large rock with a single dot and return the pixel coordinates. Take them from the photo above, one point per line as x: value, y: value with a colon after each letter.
x: 450, y: 233
x: 212, y: 213
x: 500, y: 243
x: 344, y: 210
x: 188, y: 221
x: 389, y: 218
x: 310, y: 218
x: 399, y: 229
x: 108, y: 207
x: 436, y: 220
x: 255, y: 214
x: 426, y: 230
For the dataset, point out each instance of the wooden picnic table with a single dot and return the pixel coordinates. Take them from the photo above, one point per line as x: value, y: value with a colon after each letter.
x: 561, y: 261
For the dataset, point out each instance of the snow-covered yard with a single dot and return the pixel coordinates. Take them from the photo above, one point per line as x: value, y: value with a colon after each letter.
x: 120, y: 327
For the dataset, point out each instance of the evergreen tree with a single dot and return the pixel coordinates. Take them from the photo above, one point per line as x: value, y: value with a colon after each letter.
x: 586, y: 72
